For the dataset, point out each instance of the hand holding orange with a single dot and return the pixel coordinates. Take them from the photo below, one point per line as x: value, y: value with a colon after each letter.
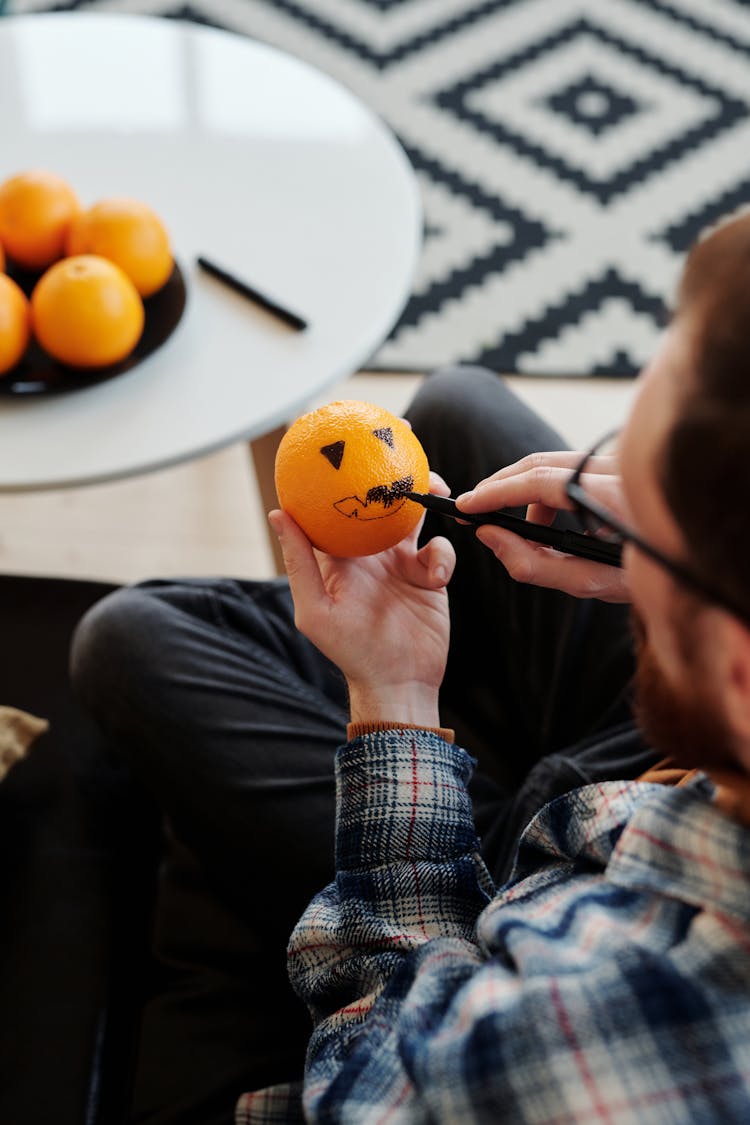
x: 342, y: 472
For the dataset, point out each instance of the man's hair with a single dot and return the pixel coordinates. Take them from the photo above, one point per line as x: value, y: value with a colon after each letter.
x: 705, y: 469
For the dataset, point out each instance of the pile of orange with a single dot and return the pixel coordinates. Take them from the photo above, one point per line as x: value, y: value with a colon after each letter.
x: 96, y: 265
x: 343, y: 472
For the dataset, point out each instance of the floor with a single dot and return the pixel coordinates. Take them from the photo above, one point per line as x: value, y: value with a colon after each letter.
x: 206, y: 518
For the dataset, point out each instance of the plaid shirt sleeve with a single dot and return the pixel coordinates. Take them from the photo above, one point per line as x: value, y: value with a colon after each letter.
x: 566, y: 996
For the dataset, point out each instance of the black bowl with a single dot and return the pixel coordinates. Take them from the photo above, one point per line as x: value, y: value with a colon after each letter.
x: 39, y: 374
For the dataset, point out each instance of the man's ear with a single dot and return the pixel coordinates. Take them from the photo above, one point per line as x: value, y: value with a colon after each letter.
x: 736, y: 674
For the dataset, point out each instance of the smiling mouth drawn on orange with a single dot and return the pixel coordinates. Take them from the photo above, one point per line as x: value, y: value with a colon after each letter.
x: 381, y: 501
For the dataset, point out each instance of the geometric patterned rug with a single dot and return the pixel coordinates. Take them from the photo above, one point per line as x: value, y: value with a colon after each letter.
x: 567, y: 151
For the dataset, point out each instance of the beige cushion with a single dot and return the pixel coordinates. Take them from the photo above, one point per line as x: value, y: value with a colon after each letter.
x: 18, y: 731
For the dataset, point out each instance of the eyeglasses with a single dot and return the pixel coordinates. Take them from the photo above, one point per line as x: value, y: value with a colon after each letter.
x: 598, y: 520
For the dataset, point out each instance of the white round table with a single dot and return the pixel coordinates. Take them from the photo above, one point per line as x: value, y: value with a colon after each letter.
x: 252, y: 158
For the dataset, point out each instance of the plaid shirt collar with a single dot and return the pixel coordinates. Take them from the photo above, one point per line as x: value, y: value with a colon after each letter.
x: 649, y: 837
x: 676, y: 845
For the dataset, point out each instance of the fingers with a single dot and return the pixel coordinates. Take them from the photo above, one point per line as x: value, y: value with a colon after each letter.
x: 435, y: 564
x: 562, y: 459
x: 542, y: 486
x: 301, y: 564
x: 430, y: 568
x: 541, y: 566
x: 438, y: 485
x: 540, y: 513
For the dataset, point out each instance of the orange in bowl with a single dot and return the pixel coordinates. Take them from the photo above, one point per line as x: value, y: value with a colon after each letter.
x: 342, y: 472
x: 15, y: 323
x: 36, y: 209
x: 131, y: 235
x: 86, y: 312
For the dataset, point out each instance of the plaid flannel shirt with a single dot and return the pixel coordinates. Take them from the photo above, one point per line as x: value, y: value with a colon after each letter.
x: 607, y: 981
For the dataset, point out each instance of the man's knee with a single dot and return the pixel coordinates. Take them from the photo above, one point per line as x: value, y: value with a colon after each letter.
x: 471, y: 423
x: 457, y: 393
x: 119, y: 636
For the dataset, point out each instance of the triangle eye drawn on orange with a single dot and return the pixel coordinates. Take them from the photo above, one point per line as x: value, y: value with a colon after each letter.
x: 385, y: 434
x: 334, y: 453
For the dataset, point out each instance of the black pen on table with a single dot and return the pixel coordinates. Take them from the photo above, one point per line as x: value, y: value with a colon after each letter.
x: 253, y: 294
x: 569, y: 542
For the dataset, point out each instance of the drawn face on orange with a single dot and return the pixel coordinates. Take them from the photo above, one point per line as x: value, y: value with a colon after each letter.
x: 344, y: 477
x: 380, y: 500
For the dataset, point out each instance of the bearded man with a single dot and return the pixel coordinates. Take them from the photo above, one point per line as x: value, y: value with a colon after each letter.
x: 551, y: 927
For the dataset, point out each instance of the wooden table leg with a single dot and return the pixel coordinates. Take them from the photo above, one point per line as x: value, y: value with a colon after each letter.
x: 263, y: 451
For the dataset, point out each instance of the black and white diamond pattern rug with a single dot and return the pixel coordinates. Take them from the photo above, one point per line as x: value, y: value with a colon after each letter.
x: 568, y: 152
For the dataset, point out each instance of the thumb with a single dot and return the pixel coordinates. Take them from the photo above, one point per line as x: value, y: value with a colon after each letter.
x: 438, y: 561
x: 301, y: 565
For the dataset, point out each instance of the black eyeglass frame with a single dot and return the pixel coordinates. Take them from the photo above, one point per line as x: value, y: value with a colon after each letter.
x: 587, y: 505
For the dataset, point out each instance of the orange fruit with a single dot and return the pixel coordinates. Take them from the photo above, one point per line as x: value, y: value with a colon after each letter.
x: 36, y: 209
x: 341, y: 473
x: 128, y: 233
x: 15, y: 323
x: 86, y: 312
x: 2, y: 259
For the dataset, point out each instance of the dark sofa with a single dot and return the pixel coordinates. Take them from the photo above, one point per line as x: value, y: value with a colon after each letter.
x: 80, y: 853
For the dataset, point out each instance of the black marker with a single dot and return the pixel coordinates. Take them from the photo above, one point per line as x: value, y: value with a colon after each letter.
x: 252, y: 294
x: 569, y: 542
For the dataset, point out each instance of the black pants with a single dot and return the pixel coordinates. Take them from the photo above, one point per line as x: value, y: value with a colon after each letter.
x: 231, y: 718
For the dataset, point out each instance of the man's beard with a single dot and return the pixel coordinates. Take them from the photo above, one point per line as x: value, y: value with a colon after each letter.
x: 685, y: 723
